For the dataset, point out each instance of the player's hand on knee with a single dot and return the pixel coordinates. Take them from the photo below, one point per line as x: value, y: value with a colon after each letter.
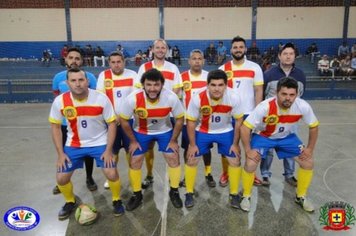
x: 235, y: 150
x: 192, y: 151
x: 306, y: 154
x: 253, y: 155
x: 174, y: 146
x: 108, y: 159
x: 133, y: 147
x: 61, y: 162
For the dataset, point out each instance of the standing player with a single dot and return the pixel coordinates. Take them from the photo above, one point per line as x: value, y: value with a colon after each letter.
x: 74, y: 59
x: 173, y: 81
x: 193, y: 80
x: 151, y: 107
x: 91, y: 133
x: 209, y: 121
x: 285, y: 68
x: 246, y: 78
x: 117, y: 83
x: 274, y: 122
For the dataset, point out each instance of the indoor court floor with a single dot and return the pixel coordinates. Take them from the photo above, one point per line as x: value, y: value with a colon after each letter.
x: 27, y: 171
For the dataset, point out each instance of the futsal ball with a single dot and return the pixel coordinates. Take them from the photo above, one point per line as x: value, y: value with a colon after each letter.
x: 85, y: 214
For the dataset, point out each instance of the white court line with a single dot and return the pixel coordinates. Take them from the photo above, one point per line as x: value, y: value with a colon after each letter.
x: 332, y: 124
x: 24, y: 127
x: 325, y: 173
x: 165, y: 205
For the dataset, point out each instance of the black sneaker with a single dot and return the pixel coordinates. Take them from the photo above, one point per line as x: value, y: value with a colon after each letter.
x: 64, y: 213
x: 189, y: 200
x: 235, y: 201
x: 56, y: 190
x: 265, y: 181
x: 292, y: 181
x: 147, y: 182
x: 134, y: 202
x: 91, y: 185
x: 118, y: 208
x: 182, y: 183
x: 210, y: 181
x: 175, y: 198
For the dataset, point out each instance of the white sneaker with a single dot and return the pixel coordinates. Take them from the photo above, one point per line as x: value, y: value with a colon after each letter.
x: 306, y: 204
x: 106, y: 184
x: 245, y: 204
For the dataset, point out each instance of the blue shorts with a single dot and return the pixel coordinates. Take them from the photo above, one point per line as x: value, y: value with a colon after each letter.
x: 145, y: 139
x: 205, y: 141
x: 121, y: 140
x: 77, y: 156
x: 185, y: 138
x: 288, y: 147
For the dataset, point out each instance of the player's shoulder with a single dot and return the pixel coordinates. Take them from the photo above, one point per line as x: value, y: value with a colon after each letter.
x: 130, y: 72
x: 252, y: 65
x: 60, y: 75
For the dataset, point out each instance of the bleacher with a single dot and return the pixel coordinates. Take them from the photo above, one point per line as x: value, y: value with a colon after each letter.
x: 29, y: 81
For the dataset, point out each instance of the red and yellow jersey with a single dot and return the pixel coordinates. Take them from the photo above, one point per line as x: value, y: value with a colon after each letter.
x: 269, y: 120
x: 116, y: 87
x: 214, y: 117
x: 170, y: 73
x: 192, y: 84
x: 242, y: 79
x: 86, y: 120
x: 152, y: 118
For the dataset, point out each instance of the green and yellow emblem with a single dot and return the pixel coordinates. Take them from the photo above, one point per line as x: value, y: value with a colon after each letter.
x: 109, y: 83
x: 70, y: 112
x: 229, y: 74
x: 206, y: 110
x: 187, y: 85
x: 142, y: 113
x: 271, y: 119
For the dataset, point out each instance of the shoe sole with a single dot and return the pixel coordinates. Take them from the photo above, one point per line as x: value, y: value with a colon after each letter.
x: 118, y: 214
x: 92, y: 188
x: 189, y: 206
x: 312, y: 211
x: 131, y: 209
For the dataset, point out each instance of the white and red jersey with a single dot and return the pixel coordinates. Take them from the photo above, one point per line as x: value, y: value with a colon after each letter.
x: 86, y: 120
x: 192, y: 84
x: 269, y: 120
x: 214, y: 117
x: 116, y: 87
x: 242, y: 79
x: 170, y: 73
x: 152, y: 118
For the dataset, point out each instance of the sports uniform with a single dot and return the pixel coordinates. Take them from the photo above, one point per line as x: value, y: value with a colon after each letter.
x: 170, y: 73
x: 213, y: 125
x: 117, y: 88
x: 273, y: 127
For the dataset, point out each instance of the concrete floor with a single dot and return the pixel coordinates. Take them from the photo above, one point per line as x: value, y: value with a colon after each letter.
x: 27, y: 170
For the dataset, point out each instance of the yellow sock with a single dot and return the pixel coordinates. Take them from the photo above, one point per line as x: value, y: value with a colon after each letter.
x: 116, y: 158
x: 149, y: 156
x: 67, y: 191
x: 115, y: 189
x: 135, y: 179
x: 225, y: 164
x: 234, y: 178
x: 190, y: 176
x: 207, y: 170
x: 174, y: 176
x: 304, y: 180
x: 247, y: 182
x: 127, y: 155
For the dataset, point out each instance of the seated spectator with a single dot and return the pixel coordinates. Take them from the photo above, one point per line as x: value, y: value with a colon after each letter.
x: 353, y: 49
x: 324, y: 66
x: 335, y: 66
x: 272, y: 54
x: 210, y: 54
x: 46, y: 57
x: 253, y: 53
x: 221, y: 52
x: 312, y: 51
x: 88, y: 55
x: 138, y: 58
x: 169, y: 54
x: 99, y: 55
x: 353, y: 63
x: 343, y: 50
x: 64, y: 53
x: 149, y: 53
x: 176, y: 55
x: 346, y: 69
